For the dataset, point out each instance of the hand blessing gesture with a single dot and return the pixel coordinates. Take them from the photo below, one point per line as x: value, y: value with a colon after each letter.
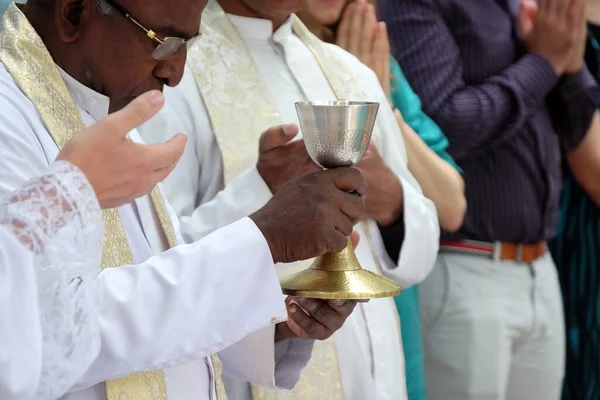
x: 118, y: 169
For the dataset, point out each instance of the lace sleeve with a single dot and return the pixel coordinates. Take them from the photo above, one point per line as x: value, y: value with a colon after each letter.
x: 57, y: 216
x: 46, y: 204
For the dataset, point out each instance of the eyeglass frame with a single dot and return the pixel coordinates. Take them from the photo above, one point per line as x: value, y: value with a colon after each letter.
x: 150, y: 33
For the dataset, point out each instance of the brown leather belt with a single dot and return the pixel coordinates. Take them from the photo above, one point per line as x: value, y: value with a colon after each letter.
x: 525, y: 253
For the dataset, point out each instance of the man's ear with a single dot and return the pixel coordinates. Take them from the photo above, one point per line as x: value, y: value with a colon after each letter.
x: 70, y: 15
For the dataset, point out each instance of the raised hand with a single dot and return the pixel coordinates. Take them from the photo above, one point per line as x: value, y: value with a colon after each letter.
x: 312, y: 215
x: 118, y: 169
x: 360, y: 34
x: 556, y: 30
x: 280, y: 160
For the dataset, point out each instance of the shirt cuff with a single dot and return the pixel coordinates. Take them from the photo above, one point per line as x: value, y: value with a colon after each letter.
x: 535, y: 75
x: 258, y: 188
x: 572, y: 108
x: 570, y: 85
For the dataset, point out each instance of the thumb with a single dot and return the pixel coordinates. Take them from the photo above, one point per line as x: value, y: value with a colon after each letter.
x: 527, y: 14
x: 277, y: 136
x: 133, y: 115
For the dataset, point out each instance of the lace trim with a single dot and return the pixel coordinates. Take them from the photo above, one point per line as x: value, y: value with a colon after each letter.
x: 46, y: 204
x: 57, y: 216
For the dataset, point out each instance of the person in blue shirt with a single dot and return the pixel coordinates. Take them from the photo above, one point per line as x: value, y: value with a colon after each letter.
x: 437, y: 173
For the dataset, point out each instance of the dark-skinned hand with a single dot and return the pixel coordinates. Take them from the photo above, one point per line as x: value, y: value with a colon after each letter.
x: 384, y: 203
x: 314, y: 318
x: 312, y: 215
x: 280, y: 160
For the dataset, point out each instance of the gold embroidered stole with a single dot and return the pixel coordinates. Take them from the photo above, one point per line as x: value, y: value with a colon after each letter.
x: 27, y: 60
x: 241, y: 108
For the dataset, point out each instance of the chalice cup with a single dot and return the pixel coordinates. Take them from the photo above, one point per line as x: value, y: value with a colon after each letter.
x: 337, y: 134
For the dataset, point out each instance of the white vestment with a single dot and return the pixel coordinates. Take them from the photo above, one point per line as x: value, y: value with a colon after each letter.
x: 51, y: 236
x: 174, y: 307
x: 369, y: 347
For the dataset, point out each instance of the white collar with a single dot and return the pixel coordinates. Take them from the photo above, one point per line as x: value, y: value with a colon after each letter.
x: 261, y: 29
x: 94, y: 103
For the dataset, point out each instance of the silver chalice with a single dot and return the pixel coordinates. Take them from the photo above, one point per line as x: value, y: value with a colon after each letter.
x: 337, y: 134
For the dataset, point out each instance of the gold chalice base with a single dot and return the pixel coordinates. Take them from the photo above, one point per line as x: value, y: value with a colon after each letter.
x: 337, y: 134
x: 339, y: 276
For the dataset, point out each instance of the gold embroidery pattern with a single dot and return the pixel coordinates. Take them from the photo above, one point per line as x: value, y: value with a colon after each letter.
x: 239, y: 104
x: 217, y: 376
x: 27, y: 60
x: 320, y: 379
x: 241, y: 108
x: 165, y: 220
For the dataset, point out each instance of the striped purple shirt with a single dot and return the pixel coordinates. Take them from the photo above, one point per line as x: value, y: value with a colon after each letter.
x: 507, y: 116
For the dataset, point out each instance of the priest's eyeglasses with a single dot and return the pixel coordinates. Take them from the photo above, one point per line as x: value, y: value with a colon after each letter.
x: 167, y: 46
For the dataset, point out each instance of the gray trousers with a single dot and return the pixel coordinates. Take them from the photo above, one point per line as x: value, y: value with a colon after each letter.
x: 492, y: 330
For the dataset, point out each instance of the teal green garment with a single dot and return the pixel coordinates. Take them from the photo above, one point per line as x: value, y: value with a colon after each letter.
x: 4, y: 5
x: 409, y: 105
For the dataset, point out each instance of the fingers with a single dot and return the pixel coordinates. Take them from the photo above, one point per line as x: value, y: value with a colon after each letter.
x: 526, y: 17
x: 366, y: 38
x: 135, y: 114
x: 545, y: 7
x: 337, y: 242
x: 371, y: 150
x: 309, y: 326
x: 315, y: 318
x: 576, y: 13
x: 347, y: 180
x: 277, y: 136
x: 381, y: 51
x: 549, y: 7
x: 355, y: 238
x: 560, y: 7
x: 160, y: 175
x: 164, y: 155
x: 343, y: 224
x: 351, y: 205
x: 321, y: 317
x: 343, y: 32
x: 343, y: 307
x: 356, y: 27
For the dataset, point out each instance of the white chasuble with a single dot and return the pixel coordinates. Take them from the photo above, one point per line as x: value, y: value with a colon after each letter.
x: 48, y: 89
x: 173, y: 309
x: 241, y: 79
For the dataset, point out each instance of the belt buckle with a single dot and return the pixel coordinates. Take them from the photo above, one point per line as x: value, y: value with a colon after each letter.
x: 496, y: 256
x: 519, y: 257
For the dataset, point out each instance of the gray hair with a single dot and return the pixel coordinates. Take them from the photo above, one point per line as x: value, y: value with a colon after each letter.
x: 104, y: 7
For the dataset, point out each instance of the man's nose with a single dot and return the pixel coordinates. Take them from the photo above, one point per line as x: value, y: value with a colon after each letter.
x: 170, y: 71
